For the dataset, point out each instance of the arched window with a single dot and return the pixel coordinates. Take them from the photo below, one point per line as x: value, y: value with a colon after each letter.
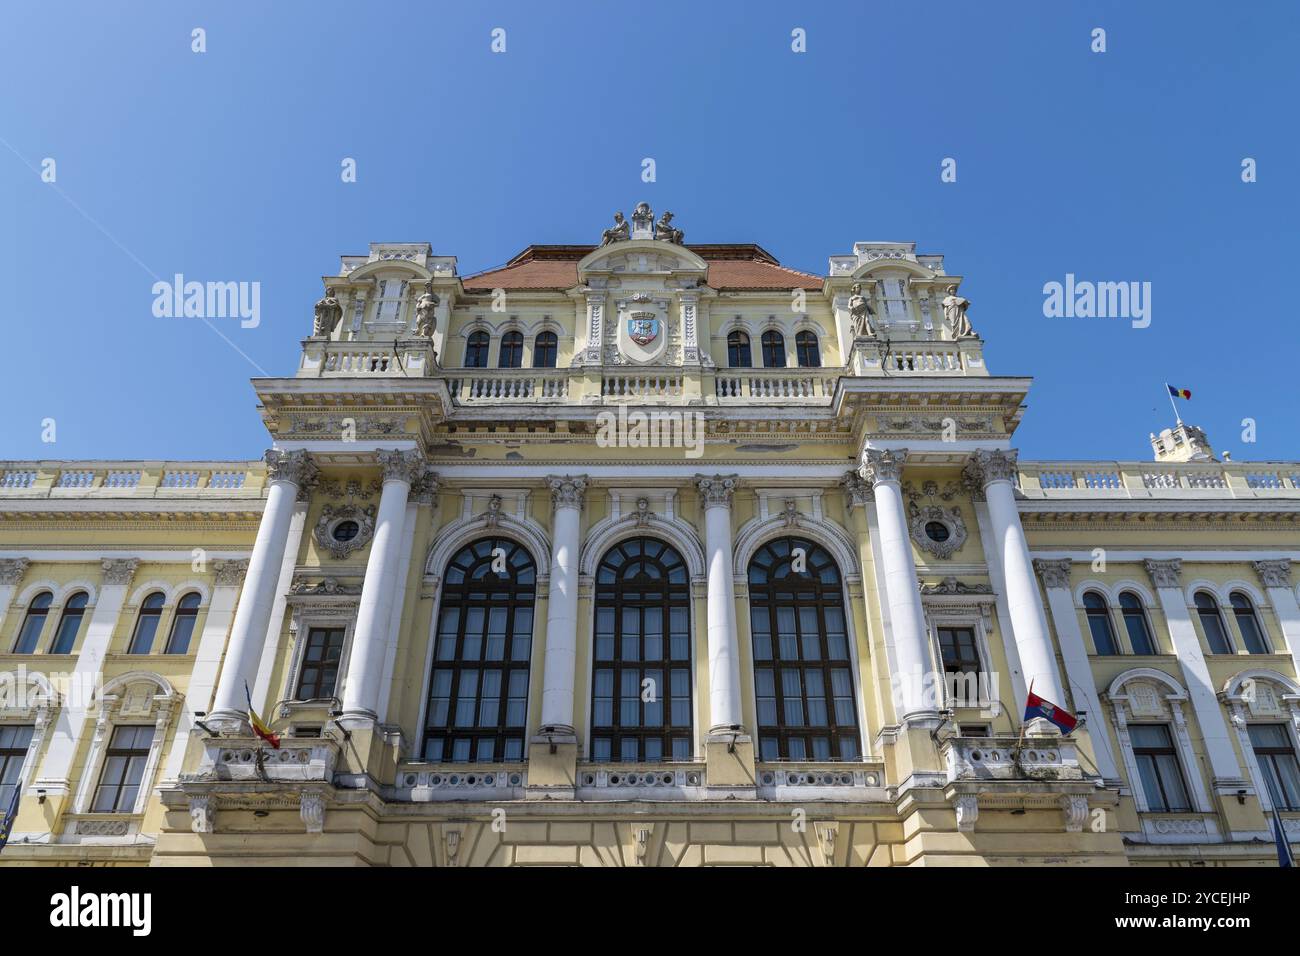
x: 476, y: 350
x: 1103, y: 636
x: 187, y: 612
x: 773, y: 349
x: 512, y: 350
x: 1135, y: 622
x: 805, y: 344
x: 738, y: 354
x: 29, y: 635
x: 803, y: 674
x: 545, y: 347
x: 1216, y: 635
x: 478, y: 692
x: 146, y: 625
x: 641, y: 680
x: 74, y: 609
x: 1252, y: 631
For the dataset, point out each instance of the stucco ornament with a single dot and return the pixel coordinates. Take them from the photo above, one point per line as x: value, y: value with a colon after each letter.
x: 331, y: 518
x: 954, y: 313
x: 426, y: 319
x: 860, y: 314
x: 922, y: 520
x: 328, y: 313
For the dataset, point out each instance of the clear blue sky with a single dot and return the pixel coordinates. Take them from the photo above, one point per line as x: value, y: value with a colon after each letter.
x: 225, y: 165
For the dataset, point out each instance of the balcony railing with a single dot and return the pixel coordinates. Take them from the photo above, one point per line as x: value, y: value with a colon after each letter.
x: 1122, y: 479
x: 73, y: 479
x: 735, y: 385
x: 510, y: 385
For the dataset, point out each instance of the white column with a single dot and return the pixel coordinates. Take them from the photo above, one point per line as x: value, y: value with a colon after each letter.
x: 996, y: 469
x: 412, y: 520
x: 383, y: 569
x: 87, y: 675
x: 287, y: 472
x: 207, y: 659
x: 11, y: 575
x: 1275, y: 576
x: 724, y: 650
x: 274, y: 644
x: 884, y: 469
x: 1166, y: 576
x: 1078, y: 669
x: 560, y: 663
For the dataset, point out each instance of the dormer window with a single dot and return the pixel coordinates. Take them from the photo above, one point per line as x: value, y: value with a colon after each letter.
x: 388, y: 308
x: 894, y: 293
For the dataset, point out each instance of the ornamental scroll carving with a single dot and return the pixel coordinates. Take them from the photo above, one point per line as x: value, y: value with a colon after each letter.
x: 883, y: 464
x: 715, y: 491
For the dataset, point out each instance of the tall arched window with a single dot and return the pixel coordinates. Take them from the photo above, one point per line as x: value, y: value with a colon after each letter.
x: 641, y: 680
x: 803, y: 674
x: 1103, y: 636
x: 1135, y: 622
x: 1252, y: 631
x: 29, y: 635
x: 511, y: 354
x: 146, y: 625
x: 805, y: 344
x: 476, y: 350
x: 773, y: 349
x: 545, y: 347
x: 187, y: 612
x: 1216, y: 635
x: 478, y: 692
x: 738, y: 354
x: 74, y: 609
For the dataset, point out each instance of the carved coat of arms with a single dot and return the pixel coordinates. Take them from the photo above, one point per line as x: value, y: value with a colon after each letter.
x: 643, y: 327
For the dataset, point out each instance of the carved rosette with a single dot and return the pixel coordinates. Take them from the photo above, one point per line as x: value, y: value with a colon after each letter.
x: 119, y: 571
x: 230, y: 574
x: 950, y: 518
x: 987, y: 467
x: 857, y: 492
x: 331, y: 517
x: 567, y: 491
x: 1165, y: 574
x: 295, y: 467
x: 12, y: 570
x: 1273, y: 574
x: 405, y: 466
x: 715, y: 491
x: 1055, y: 574
x: 883, y: 464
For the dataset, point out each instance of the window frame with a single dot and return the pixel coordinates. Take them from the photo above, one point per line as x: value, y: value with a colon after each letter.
x: 182, y: 613
x: 548, y: 350
x: 1251, y: 613
x: 1290, y: 750
x: 478, y: 348
x: 65, y: 614
x: 1100, y: 617
x: 1172, y: 751
x: 303, y: 662
x: 22, y: 758
x: 738, y: 347
x: 44, y: 613
x: 133, y: 754
x: 510, y: 347
x: 1140, y: 613
x: 141, y: 613
x: 772, y: 348
x: 807, y: 344
x: 1214, y: 613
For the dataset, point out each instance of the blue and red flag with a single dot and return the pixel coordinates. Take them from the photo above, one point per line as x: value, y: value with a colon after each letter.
x: 1179, y: 392
x: 1035, y: 707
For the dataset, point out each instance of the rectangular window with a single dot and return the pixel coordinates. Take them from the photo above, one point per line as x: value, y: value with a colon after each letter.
x: 319, y: 672
x: 14, y: 741
x: 123, y: 771
x: 1157, y: 761
x: 1277, y: 762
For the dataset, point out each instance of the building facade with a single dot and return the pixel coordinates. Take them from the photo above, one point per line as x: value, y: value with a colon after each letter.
x: 648, y: 553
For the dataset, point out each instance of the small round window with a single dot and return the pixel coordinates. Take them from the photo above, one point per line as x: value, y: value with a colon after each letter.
x: 937, y: 531
x: 346, y: 530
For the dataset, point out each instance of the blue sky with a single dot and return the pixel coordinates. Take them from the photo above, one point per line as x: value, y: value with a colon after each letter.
x: 1121, y: 166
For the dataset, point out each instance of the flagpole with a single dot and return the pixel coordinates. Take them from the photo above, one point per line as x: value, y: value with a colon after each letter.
x: 1172, y: 404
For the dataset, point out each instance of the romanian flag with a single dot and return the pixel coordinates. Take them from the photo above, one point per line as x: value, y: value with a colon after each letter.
x: 1179, y: 392
x: 1035, y: 707
x: 259, y: 727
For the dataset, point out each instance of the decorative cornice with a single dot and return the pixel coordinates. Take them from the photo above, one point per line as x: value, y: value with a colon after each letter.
x: 12, y: 570
x: 950, y: 585
x: 990, y: 466
x: 295, y: 467
x: 119, y: 571
x: 1055, y: 573
x: 327, y: 586
x: 1165, y: 574
x: 1274, y: 574
x: 856, y: 490
x: 230, y: 573
x: 567, y: 491
x: 883, y: 464
x: 405, y: 466
x: 716, y: 491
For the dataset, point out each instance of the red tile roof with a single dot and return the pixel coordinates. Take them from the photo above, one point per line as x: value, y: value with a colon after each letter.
x: 732, y: 267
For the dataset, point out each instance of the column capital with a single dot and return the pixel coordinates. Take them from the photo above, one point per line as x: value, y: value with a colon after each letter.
x: 567, y: 491
x: 404, y: 466
x: 13, y: 569
x: 296, y: 467
x: 1055, y: 573
x: 883, y: 464
x: 230, y: 574
x: 986, y: 467
x: 1165, y: 574
x: 1274, y: 574
x: 119, y: 570
x: 716, y: 490
x: 856, y: 490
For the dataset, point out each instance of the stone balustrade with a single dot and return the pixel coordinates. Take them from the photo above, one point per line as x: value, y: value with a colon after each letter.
x: 151, y: 479
x: 1121, y: 479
